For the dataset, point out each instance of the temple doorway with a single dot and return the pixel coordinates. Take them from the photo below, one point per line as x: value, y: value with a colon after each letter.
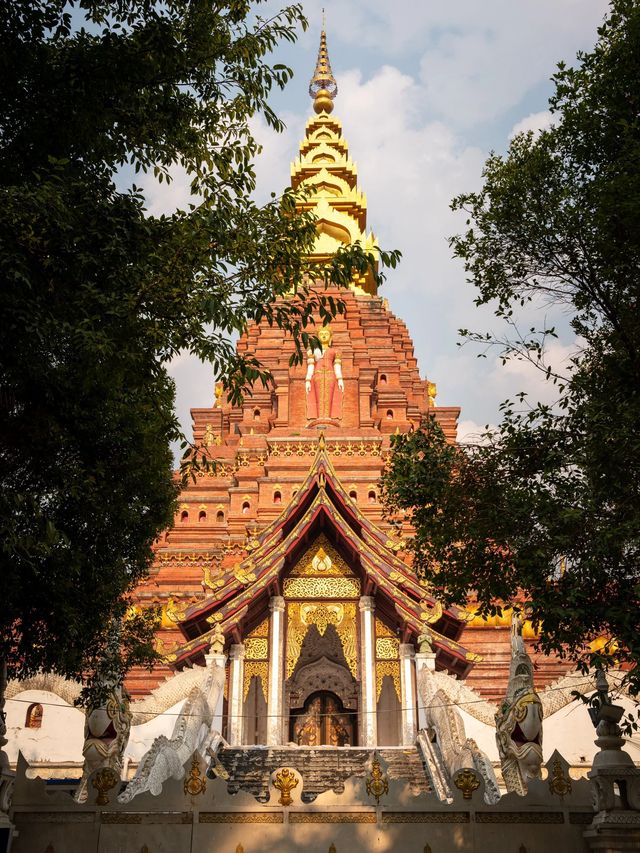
x: 323, y: 721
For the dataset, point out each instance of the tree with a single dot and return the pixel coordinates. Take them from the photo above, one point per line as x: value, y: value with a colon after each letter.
x: 97, y: 296
x: 545, y: 510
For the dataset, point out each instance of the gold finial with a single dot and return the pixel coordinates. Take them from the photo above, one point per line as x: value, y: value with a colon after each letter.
x: 323, y: 87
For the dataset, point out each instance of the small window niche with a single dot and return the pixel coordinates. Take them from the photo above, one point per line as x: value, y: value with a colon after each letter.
x: 33, y: 719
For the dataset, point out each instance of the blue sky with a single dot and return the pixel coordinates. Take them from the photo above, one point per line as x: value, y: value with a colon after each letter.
x: 426, y: 89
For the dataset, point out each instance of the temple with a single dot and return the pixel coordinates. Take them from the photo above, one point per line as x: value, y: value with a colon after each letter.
x: 299, y: 648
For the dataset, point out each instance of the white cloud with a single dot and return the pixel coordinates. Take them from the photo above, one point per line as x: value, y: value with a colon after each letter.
x: 469, y: 432
x: 537, y: 122
x: 165, y: 198
x: 442, y: 68
x: 477, y: 60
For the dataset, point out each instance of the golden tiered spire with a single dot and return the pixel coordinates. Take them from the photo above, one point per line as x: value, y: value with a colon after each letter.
x: 325, y: 170
x: 323, y: 87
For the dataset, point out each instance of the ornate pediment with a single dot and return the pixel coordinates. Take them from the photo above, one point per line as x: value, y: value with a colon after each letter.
x: 321, y: 560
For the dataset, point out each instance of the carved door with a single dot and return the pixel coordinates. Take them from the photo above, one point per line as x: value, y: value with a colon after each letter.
x: 322, y: 721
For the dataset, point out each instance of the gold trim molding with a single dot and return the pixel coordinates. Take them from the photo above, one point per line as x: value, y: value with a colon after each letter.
x: 241, y: 817
x: 321, y: 587
x: 388, y: 667
x: 332, y: 817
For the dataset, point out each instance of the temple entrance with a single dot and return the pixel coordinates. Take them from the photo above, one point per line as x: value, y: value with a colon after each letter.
x: 323, y: 721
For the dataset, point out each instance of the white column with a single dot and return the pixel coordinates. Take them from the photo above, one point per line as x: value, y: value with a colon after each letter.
x: 428, y: 660
x: 219, y: 660
x: 423, y: 660
x: 236, y: 698
x: 276, y: 679
x: 408, y: 694
x: 369, y: 725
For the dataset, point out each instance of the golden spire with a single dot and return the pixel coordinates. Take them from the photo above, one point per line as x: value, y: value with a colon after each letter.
x: 327, y: 173
x: 323, y: 87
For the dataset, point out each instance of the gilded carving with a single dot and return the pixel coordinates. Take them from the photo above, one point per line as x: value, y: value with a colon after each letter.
x: 256, y: 648
x: 559, y: 783
x: 425, y: 817
x: 302, y: 615
x: 332, y: 817
x: 431, y: 614
x: 285, y: 781
x: 519, y: 817
x: 181, y: 557
x: 195, y: 783
x: 209, y: 580
x: 321, y: 615
x: 383, y: 630
x: 104, y: 780
x: 377, y: 783
x: 259, y: 668
x: 297, y: 587
x: 210, y: 437
x: 334, y: 448
x: 467, y: 782
x: 241, y: 817
x: 387, y: 648
x: 321, y: 559
x: 388, y: 667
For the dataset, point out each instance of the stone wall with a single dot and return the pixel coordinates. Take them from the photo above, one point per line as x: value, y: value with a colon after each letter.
x: 215, y: 821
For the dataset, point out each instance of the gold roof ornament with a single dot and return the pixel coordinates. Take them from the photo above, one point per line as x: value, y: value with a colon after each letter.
x: 323, y: 87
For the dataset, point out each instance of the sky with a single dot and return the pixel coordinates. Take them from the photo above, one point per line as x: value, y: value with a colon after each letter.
x: 426, y: 89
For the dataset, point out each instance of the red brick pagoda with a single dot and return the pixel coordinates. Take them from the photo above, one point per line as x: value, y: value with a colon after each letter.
x: 282, y: 552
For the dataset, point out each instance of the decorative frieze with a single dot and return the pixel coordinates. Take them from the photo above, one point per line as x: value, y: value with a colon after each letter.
x: 241, y: 817
x: 322, y: 588
x: 332, y: 817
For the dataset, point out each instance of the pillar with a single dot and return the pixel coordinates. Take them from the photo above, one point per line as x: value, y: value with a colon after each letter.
x: 408, y: 693
x: 423, y: 660
x: 236, y: 703
x: 217, y: 659
x: 275, y: 705
x: 369, y: 725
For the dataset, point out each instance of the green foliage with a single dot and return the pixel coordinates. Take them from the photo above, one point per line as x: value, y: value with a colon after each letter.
x: 98, y: 296
x: 546, y: 509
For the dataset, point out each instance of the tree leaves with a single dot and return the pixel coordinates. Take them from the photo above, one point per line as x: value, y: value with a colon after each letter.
x: 545, y: 510
x: 98, y: 296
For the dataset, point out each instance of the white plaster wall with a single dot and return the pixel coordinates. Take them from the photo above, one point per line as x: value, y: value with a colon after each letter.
x: 60, y: 737
x: 484, y: 735
x: 571, y: 732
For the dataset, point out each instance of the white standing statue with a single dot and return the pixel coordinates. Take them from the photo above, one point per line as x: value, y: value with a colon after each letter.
x: 106, y: 734
x: 519, y: 719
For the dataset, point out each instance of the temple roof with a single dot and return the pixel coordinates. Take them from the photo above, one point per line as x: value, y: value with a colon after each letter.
x: 238, y: 598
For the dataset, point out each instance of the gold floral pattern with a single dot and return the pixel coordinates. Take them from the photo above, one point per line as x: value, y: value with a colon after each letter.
x: 388, y: 667
x: 321, y: 588
x: 259, y: 668
x: 300, y: 615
